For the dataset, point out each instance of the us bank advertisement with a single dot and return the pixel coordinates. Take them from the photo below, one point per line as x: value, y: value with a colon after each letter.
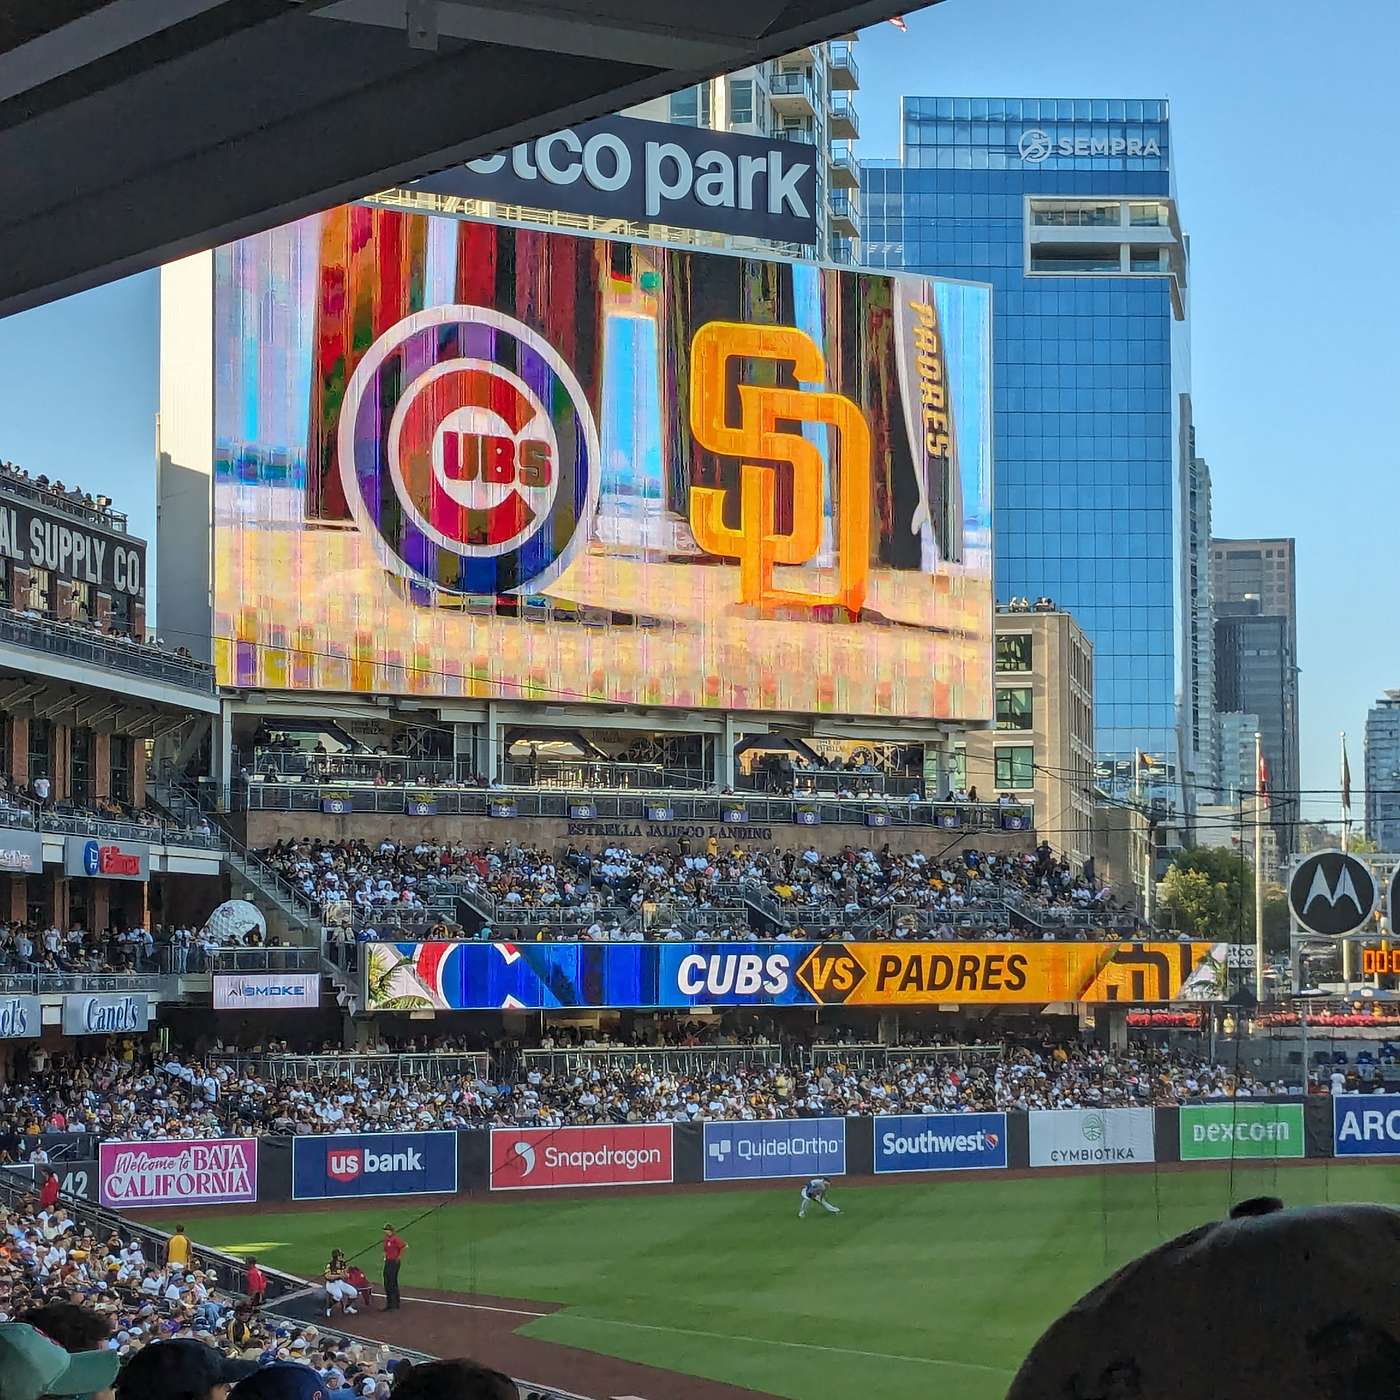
x: 457, y: 458
x: 499, y: 975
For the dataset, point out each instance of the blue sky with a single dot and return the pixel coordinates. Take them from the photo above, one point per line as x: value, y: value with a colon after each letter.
x: 1281, y: 128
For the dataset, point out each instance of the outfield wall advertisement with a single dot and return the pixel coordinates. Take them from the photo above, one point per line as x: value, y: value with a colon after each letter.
x: 1366, y: 1125
x: 805, y: 1147
x: 473, y: 976
x: 459, y: 458
x: 373, y: 1164
x: 1085, y: 1137
x: 940, y: 1142
x: 528, y: 1159
x: 212, y: 1171
x: 1224, y: 1131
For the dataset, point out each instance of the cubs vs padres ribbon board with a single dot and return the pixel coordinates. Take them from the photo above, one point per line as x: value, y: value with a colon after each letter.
x: 463, y: 976
x: 430, y: 431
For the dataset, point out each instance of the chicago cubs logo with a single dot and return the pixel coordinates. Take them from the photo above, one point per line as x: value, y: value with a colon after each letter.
x: 468, y: 452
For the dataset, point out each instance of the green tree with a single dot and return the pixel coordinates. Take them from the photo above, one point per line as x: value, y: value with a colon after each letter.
x: 1210, y: 892
x: 1362, y: 846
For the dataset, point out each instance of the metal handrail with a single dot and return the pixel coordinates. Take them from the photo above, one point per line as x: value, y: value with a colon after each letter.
x: 432, y: 1066
x: 82, y: 644
x: 30, y: 818
x: 33, y: 983
x: 29, y: 490
x: 663, y: 1057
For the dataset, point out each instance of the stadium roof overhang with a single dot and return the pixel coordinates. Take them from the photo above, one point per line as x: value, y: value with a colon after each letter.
x: 136, y: 131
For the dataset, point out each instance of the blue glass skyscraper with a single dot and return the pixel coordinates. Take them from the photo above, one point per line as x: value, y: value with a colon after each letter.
x: 1067, y: 207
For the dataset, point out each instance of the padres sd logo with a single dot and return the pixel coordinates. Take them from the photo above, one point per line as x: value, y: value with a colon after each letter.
x: 468, y: 452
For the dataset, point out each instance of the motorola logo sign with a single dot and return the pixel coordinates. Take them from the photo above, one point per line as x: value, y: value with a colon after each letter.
x: 1332, y: 893
x: 1037, y: 145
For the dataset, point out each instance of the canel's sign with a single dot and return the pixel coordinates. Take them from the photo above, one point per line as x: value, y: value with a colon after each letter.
x: 1036, y: 145
x: 621, y: 167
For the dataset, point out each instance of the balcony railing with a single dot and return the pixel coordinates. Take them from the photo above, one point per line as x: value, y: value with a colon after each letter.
x: 62, y: 639
x: 794, y: 83
x: 101, y: 516
x: 635, y: 807
x: 844, y: 121
x: 353, y: 767
x: 845, y: 72
x: 29, y: 818
x: 35, y: 983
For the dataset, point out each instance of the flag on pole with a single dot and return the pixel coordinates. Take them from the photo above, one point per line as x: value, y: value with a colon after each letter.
x: 1263, y: 779
x: 899, y: 24
x: 1346, y: 777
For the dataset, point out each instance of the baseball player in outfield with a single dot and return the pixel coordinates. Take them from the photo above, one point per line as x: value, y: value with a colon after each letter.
x: 814, y: 1193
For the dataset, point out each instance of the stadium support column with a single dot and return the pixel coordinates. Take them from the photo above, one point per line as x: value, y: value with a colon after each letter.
x: 494, y: 757
x: 221, y: 758
x: 1111, y: 1024
x: 724, y: 754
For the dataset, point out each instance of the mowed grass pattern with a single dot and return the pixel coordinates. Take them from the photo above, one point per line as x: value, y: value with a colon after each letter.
x: 937, y: 1286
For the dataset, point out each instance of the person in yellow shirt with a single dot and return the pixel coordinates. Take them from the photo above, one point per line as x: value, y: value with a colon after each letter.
x: 177, y: 1251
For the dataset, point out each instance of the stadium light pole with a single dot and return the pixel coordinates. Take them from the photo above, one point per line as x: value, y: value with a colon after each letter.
x: 1258, y: 874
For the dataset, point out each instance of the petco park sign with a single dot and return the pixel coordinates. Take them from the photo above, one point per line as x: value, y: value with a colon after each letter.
x: 524, y: 1159
x: 1037, y: 145
x: 620, y: 167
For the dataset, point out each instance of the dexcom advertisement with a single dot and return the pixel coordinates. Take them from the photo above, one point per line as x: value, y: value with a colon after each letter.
x: 471, y: 976
x: 940, y: 1142
x: 804, y: 1147
x: 373, y: 1164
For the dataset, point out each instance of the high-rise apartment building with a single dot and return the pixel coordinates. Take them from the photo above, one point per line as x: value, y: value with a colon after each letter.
x: 1383, y: 774
x: 1198, y: 719
x: 807, y: 97
x: 1068, y: 208
x: 1235, y: 733
x: 1254, y: 588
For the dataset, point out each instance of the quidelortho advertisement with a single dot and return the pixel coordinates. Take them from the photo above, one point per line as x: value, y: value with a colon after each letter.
x: 460, y: 458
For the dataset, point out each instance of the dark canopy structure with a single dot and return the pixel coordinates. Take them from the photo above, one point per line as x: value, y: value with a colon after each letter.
x: 135, y: 131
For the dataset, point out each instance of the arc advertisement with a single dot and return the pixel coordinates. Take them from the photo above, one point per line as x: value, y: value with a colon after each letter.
x: 1366, y: 1125
x: 1101, y: 1137
x: 459, y: 458
x: 471, y: 976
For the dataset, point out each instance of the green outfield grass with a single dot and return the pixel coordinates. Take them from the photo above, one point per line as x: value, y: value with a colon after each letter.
x: 935, y: 1287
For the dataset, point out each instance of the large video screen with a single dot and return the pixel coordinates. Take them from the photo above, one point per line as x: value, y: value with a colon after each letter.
x: 463, y: 458
x: 471, y: 976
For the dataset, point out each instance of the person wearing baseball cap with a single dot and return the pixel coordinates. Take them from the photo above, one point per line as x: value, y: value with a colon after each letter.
x: 283, y: 1380
x: 32, y: 1366
x: 180, y: 1369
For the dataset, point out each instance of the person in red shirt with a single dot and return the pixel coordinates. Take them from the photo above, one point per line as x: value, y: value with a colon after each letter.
x: 393, y: 1253
x: 257, y: 1283
x: 48, y: 1192
x: 357, y: 1279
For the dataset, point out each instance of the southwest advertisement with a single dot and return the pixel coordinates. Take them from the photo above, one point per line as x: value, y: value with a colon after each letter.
x: 1366, y: 1125
x: 525, y: 1159
x: 212, y: 1171
x: 940, y: 1142
x: 473, y: 976
x: 1080, y: 1137
x: 804, y: 1147
x: 1223, y: 1131
x: 462, y: 459
x: 373, y: 1164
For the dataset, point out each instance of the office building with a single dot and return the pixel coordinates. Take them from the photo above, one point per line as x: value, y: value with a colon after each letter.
x: 1067, y: 207
x: 807, y: 97
x: 1235, y: 733
x: 1043, y: 742
x: 1254, y: 587
x: 1383, y: 774
x: 1198, y: 719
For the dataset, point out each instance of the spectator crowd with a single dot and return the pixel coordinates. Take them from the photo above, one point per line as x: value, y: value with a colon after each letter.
x: 684, y: 892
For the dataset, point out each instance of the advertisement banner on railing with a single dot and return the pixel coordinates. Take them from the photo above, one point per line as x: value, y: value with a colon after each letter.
x: 940, y: 1142
x: 1366, y: 1125
x: 102, y: 858
x: 20, y: 1018
x: 1224, y: 1131
x: 374, y: 1164
x: 212, y: 1171
x: 76, y: 1177
x: 804, y: 1147
x: 106, y: 1013
x: 21, y: 852
x: 472, y: 976
x: 1097, y: 1137
x: 525, y: 1159
x: 266, y: 991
